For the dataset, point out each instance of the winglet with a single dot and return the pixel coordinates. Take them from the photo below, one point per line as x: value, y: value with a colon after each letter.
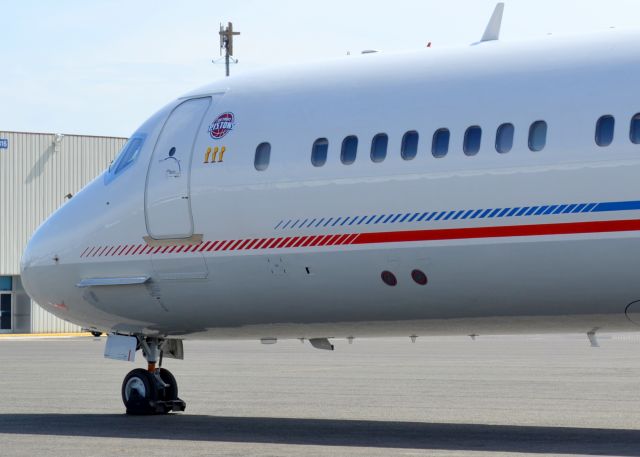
x: 492, y: 32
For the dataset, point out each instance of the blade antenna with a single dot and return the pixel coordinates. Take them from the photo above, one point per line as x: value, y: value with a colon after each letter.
x: 492, y: 32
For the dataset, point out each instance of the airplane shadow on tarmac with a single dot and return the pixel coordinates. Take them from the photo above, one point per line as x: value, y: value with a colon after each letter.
x: 332, y: 432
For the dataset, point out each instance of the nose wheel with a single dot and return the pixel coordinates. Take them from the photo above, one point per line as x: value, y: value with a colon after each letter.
x: 151, y: 391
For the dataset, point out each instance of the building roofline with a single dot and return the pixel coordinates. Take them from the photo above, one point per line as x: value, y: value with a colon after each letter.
x: 2, y: 132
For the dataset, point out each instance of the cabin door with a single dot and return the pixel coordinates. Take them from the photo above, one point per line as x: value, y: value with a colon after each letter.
x: 167, y: 204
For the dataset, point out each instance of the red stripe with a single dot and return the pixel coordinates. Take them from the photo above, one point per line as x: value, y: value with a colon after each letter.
x: 259, y: 245
x: 307, y: 242
x: 273, y: 243
x: 180, y: 248
x: 213, y: 245
x: 157, y: 250
x: 333, y: 240
x: 204, y: 246
x: 283, y: 242
x: 129, y: 250
x: 84, y: 252
x: 253, y: 242
x: 291, y: 241
x: 116, y: 250
x: 101, y: 252
x: 109, y: 251
x: 570, y: 228
x: 244, y: 244
x: 222, y: 243
x: 299, y: 241
x: 323, y: 240
x: 173, y: 248
x: 226, y: 246
x: 120, y: 251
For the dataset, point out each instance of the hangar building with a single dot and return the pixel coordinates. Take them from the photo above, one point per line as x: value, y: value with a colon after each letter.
x: 38, y: 171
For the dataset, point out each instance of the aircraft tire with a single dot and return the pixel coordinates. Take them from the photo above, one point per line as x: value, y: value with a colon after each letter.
x: 139, y: 392
x: 171, y: 392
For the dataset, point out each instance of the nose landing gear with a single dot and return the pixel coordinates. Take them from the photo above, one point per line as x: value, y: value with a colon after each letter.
x: 154, y: 390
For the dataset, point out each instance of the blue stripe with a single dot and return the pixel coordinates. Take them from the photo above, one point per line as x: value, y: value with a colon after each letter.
x: 446, y: 215
x: 616, y: 206
x: 579, y: 208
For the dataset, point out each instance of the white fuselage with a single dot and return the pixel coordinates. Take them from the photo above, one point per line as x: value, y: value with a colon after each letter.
x: 523, y: 241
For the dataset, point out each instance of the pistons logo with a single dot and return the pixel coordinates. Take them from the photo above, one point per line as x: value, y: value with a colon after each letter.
x: 222, y: 125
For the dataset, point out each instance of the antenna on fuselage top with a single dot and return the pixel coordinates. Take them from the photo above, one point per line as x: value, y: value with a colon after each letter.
x: 492, y: 32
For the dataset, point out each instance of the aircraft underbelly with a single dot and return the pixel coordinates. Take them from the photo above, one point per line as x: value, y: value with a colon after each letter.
x: 505, y: 286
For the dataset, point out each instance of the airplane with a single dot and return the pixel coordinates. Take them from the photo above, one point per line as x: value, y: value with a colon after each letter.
x: 486, y: 189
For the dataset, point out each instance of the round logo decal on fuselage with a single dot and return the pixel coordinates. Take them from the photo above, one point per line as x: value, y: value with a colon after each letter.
x: 222, y: 125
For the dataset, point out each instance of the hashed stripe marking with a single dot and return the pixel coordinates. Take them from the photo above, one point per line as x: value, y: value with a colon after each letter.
x: 463, y: 214
x: 353, y: 239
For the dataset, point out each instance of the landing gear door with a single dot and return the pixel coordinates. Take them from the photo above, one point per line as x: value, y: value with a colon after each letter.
x: 167, y: 194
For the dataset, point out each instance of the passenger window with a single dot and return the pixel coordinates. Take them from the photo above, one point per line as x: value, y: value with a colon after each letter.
x: 349, y: 150
x: 472, y: 139
x: 634, y: 132
x: 409, y: 148
x: 504, y: 138
x: 319, y: 152
x: 263, y: 155
x: 440, y: 144
x: 538, y: 136
x: 379, y: 147
x: 604, y: 130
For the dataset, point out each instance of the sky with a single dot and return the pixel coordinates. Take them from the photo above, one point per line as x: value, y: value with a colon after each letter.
x: 103, y: 67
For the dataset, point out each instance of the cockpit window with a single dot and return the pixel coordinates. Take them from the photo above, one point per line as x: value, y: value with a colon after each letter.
x: 127, y: 155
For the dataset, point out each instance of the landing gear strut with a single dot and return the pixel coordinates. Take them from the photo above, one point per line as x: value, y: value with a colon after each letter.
x: 154, y: 390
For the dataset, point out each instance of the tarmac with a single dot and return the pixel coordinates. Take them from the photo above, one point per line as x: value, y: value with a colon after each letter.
x: 495, y: 396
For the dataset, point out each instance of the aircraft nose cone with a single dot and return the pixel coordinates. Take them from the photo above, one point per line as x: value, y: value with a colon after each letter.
x: 37, y: 261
